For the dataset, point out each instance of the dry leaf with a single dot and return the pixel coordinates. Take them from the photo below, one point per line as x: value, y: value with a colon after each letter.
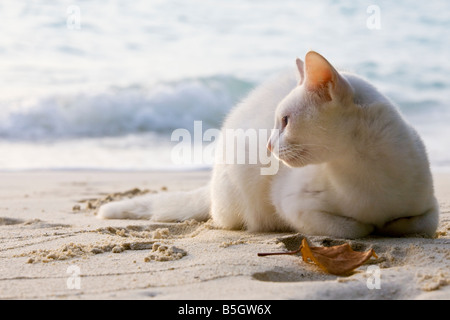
x: 337, y: 260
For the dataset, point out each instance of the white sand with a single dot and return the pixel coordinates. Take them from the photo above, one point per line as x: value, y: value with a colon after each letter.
x: 47, y: 249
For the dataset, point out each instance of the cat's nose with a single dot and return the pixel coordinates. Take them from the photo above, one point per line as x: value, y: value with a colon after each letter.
x: 269, y: 145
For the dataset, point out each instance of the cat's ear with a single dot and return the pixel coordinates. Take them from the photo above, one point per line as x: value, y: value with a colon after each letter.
x: 301, y: 70
x: 322, y: 77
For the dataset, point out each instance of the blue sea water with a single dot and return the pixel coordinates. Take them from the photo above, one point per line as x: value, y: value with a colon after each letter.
x: 102, y: 84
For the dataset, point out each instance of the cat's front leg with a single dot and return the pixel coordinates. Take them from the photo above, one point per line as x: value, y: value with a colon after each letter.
x: 327, y: 224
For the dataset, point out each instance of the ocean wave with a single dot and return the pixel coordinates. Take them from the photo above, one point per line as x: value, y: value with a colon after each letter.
x: 160, y: 108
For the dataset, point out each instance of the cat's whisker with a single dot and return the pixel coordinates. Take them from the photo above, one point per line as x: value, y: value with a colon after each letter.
x: 313, y: 145
x: 296, y: 153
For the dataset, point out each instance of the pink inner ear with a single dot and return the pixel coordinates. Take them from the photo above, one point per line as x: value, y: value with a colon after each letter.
x: 301, y: 71
x: 319, y: 72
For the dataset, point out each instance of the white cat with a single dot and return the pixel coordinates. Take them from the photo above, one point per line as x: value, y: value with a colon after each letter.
x: 350, y: 165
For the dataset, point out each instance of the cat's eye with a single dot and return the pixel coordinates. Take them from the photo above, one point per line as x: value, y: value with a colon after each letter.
x: 284, y: 121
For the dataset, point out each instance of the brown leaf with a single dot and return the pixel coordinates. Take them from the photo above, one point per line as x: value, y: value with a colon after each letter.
x: 337, y: 260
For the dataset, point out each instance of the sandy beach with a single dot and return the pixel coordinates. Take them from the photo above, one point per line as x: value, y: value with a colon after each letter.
x: 53, y: 247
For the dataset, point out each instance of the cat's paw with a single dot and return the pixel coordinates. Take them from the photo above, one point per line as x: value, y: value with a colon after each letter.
x: 425, y: 225
x: 356, y: 230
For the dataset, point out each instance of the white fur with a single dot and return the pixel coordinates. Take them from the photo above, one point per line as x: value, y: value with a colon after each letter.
x: 351, y: 165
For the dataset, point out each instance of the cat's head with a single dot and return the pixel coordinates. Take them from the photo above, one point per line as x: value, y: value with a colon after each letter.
x: 312, y: 120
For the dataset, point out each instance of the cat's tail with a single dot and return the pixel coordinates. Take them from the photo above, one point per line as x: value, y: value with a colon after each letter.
x: 164, y: 207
